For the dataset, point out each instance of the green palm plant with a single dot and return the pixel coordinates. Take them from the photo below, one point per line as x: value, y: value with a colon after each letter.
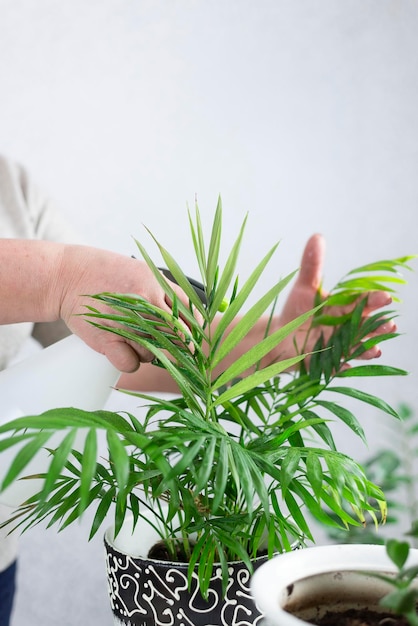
x: 244, y: 453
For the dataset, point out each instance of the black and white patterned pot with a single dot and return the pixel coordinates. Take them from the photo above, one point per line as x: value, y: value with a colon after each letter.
x: 147, y: 592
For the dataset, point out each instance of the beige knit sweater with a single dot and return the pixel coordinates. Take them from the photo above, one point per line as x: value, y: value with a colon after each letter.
x: 25, y: 213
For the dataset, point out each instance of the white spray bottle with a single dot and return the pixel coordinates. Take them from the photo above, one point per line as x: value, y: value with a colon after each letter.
x: 67, y: 373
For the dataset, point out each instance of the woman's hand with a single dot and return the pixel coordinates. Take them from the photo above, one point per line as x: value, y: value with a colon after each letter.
x: 86, y: 270
x: 302, y: 298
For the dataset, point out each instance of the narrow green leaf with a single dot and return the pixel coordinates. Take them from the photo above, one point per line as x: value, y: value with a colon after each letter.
x: 253, y: 380
x: 59, y: 459
x: 388, y: 265
x: 227, y: 275
x: 247, y: 322
x: 290, y: 465
x: 214, y: 246
x: 74, y: 515
x: 241, y: 297
x: 367, y: 398
x: 371, y: 370
x: 322, y: 429
x: 224, y: 564
x: 88, y: 468
x: 345, y: 416
x: 255, y: 354
x: 178, y: 274
x: 196, y: 554
x: 363, y: 282
x: 24, y: 456
x: 188, y: 454
x: 221, y: 475
x: 242, y: 463
x: 119, y: 459
x: 205, y: 566
x: 9, y: 442
x: 181, y: 279
x: 102, y: 510
x: 55, y: 419
x: 206, y: 466
x: 314, y: 472
x: 297, y: 515
x: 59, y: 493
x: 199, y: 243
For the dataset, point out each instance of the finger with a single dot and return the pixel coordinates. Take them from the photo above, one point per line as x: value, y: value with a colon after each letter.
x: 310, y: 274
x: 388, y: 326
x: 377, y: 300
x: 372, y: 353
x: 125, y: 357
x: 375, y: 352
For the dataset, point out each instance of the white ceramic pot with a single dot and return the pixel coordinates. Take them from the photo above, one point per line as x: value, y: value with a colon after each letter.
x: 293, y: 588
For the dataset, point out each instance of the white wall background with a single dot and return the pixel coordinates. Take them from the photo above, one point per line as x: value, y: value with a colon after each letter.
x: 302, y: 112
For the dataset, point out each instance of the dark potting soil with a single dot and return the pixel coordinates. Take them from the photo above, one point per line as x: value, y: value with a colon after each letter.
x: 359, y: 617
x: 160, y: 552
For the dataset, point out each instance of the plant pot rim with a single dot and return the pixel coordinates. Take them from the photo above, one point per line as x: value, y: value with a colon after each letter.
x: 119, y: 545
x: 270, y: 582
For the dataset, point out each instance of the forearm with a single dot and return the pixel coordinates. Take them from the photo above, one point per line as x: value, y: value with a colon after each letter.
x: 28, y: 280
x: 42, y: 281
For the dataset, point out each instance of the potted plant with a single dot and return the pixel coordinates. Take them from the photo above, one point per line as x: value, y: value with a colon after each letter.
x: 343, y: 584
x: 230, y: 469
x: 375, y: 582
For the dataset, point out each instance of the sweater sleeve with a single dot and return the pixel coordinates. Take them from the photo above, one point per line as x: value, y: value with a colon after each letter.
x: 46, y: 219
x: 26, y: 212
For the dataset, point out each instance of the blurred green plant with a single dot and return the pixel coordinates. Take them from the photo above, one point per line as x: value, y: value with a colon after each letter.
x: 394, y: 469
x: 403, y: 598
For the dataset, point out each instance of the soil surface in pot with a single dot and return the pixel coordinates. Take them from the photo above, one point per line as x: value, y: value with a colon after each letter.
x: 160, y: 552
x: 359, y: 617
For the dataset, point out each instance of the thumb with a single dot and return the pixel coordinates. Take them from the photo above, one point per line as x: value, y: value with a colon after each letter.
x: 310, y: 274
